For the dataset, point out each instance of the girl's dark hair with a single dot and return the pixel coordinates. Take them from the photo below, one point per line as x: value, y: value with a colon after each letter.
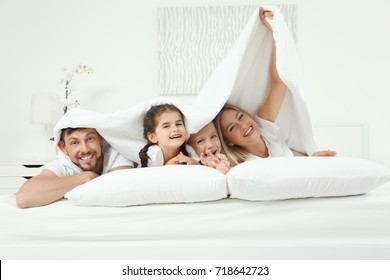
x: 150, y: 123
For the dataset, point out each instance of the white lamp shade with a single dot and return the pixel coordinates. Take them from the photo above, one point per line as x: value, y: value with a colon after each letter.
x: 41, y: 108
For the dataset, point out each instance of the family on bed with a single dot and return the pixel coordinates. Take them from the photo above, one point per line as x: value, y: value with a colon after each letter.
x: 233, y: 137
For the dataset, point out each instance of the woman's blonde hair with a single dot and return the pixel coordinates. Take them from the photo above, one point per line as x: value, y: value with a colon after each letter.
x: 235, y: 154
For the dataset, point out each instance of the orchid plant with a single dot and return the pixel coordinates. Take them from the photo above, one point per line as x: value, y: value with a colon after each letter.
x: 69, y: 74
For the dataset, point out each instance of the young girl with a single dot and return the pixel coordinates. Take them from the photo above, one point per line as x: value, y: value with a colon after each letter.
x: 165, y: 132
x: 207, y: 145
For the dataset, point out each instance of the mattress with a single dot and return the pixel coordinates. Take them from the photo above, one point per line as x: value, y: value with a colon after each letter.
x: 351, y: 227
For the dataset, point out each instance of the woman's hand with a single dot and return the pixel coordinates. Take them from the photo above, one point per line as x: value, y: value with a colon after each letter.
x: 264, y: 14
x: 326, y: 153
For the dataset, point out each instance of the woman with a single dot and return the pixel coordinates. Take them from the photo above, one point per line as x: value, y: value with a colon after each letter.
x: 244, y: 135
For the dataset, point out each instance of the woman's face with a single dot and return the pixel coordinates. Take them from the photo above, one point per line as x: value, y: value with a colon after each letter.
x: 239, y: 128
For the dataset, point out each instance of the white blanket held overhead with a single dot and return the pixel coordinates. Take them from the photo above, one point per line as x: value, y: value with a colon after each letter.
x: 242, y: 78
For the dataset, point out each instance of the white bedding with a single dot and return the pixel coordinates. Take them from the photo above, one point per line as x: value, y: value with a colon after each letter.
x: 353, y: 227
x: 246, y: 81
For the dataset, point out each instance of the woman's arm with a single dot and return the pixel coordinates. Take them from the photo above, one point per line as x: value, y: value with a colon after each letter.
x: 271, y: 108
x: 326, y: 153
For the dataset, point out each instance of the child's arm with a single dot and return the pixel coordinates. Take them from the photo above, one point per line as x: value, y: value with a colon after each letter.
x: 182, y: 159
x: 219, y: 162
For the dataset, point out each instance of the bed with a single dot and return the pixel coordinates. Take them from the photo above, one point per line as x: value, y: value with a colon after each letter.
x: 303, y: 218
x: 346, y: 227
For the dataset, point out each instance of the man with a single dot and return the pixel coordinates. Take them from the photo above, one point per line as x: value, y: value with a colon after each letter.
x: 85, y: 155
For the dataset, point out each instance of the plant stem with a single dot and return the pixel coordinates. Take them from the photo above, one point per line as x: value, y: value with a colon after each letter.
x: 67, y: 89
x: 67, y: 92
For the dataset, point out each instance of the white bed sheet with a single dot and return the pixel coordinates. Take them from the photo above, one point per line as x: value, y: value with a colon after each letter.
x: 354, y: 227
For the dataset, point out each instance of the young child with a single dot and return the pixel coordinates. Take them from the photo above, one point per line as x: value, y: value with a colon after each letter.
x: 165, y: 131
x: 207, y: 145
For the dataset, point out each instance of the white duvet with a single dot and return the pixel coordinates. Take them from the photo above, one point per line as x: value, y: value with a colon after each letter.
x: 242, y: 78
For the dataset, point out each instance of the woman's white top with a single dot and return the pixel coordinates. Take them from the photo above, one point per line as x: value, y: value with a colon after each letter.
x: 275, y: 142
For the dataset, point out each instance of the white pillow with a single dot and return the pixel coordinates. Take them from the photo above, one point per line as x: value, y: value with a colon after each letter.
x: 163, y: 184
x: 299, y: 177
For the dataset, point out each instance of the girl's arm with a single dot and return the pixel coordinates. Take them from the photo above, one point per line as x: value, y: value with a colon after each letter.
x: 182, y: 159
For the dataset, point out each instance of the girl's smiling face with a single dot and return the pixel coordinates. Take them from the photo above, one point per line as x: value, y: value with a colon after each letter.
x: 170, y: 131
x: 206, y: 140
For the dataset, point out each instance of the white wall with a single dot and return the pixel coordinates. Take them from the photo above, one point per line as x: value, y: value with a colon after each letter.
x: 343, y: 46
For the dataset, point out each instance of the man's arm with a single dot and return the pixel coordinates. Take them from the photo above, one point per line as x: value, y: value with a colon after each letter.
x: 47, y: 187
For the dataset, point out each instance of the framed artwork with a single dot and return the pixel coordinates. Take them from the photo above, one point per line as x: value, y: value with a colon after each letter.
x: 193, y: 40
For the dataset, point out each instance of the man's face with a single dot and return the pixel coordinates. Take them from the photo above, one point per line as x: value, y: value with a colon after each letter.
x: 84, y: 148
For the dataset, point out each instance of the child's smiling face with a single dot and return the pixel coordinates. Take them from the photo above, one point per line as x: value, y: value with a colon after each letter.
x: 206, y: 140
x: 170, y: 131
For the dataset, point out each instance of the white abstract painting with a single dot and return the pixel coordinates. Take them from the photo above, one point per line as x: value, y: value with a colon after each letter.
x: 193, y: 40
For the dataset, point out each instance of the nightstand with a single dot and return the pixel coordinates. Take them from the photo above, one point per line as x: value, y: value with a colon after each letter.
x: 13, y: 175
